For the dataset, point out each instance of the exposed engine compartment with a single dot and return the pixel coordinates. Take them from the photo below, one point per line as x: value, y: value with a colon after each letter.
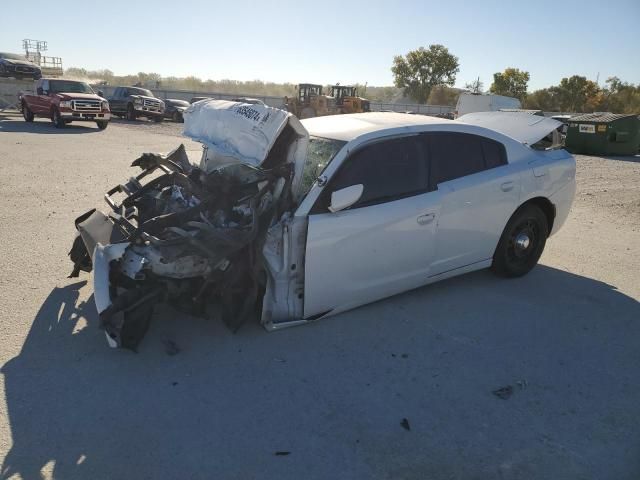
x: 185, y: 237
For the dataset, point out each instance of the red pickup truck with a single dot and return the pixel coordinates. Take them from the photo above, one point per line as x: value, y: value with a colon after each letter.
x: 65, y: 101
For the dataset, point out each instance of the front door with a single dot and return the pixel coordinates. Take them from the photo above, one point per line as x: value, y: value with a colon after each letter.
x: 381, y: 245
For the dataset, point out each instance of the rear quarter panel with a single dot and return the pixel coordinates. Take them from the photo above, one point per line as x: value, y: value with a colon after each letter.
x: 552, y: 175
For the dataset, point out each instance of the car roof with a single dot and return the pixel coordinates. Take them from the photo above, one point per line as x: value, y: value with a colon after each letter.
x: 350, y: 126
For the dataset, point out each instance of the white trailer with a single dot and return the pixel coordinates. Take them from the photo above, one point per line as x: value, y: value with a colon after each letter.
x: 473, y: 102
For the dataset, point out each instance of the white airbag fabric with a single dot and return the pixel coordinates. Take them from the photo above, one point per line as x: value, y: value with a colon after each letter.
x: 234, y: 131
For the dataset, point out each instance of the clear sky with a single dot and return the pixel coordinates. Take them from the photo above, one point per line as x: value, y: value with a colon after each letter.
x: 329, y: 41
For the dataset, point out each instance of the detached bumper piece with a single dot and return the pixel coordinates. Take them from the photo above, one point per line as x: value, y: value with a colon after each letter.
x: 175, y: 234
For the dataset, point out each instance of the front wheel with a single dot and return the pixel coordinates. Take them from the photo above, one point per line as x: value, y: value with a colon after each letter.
x: 158, y: 119
x: 102, y: 124
x: 26, y: 113
x: 521, y: 243
x: 57, y: 119
x: 131, y: 113
x: 177, y: 117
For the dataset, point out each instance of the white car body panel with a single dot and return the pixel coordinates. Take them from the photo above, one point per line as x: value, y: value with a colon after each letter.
x: 475, y: 210
x: 343, y: 267
x: 523, y: 127
x: 357, y: 256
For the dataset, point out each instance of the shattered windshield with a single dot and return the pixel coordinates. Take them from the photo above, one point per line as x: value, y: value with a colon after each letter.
x: 319, y: 154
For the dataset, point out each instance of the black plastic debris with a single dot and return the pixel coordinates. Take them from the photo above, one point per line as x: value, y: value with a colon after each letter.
x: 405, y: 424
x: 171, y: 348
x: 282, y: 453
x: 504, y: 392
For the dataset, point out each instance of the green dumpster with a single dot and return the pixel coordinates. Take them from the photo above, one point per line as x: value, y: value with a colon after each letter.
x: 604, y: 134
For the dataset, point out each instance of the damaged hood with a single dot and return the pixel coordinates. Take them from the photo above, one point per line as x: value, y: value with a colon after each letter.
x: 523, y: 127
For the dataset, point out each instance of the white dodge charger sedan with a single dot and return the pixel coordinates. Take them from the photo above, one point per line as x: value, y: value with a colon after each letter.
x: 287, y: 221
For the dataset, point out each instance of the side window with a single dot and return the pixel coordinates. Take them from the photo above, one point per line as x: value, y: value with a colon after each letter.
x: 45, y: 85
x: 495, y: 154
x: 453, y: 155
x: 388, y: 170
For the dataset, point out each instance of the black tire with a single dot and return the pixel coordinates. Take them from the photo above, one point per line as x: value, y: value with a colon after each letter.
x: 57, y: 119
x: 177, y: 117
x: 131, y: 113
x: 521, y: 243
x: 26, y: 113
x: 102, y: 124
x: 158, y: 119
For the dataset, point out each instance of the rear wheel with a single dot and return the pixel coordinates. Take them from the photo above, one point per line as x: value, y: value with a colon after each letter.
x: 57, y: 119
x: 26, y: 113
x: 102, y: 124
x: 131, y: 113
x: 521, y: 243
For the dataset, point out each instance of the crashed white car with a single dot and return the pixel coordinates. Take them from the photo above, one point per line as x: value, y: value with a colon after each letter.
x: 288, y: 222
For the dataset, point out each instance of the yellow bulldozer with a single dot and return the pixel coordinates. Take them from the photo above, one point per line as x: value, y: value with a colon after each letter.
x: 310, y: 102
x: 348, y: 101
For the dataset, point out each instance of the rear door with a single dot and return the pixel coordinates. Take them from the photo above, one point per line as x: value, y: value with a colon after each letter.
x: 480, y: 191
x: 381, y: 245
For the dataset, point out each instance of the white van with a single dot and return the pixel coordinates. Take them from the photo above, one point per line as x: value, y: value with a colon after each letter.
x: 478, y: 102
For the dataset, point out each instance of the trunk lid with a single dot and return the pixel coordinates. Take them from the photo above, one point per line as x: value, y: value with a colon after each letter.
x: 523, y: 127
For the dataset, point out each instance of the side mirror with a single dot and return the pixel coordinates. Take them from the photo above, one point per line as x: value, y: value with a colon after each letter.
x: 100, y: 93
x: 39, y: 91
x: 345, y: 197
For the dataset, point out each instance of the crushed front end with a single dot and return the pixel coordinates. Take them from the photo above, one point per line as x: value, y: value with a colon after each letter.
x: 180, y: 235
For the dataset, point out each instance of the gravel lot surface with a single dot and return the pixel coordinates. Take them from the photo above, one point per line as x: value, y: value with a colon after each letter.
x: 327, y: 400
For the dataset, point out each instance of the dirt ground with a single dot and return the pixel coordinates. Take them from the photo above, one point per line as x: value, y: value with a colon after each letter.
x: 327, y: 400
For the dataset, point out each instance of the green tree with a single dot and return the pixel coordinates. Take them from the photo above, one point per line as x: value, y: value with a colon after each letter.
x: 422, y: 69
x: 512, y: 83
x: 545, y: 99
x: 574, y: 93
x: 442, y: 95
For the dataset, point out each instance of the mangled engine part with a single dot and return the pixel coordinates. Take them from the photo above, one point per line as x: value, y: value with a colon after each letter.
x: 186, y: 237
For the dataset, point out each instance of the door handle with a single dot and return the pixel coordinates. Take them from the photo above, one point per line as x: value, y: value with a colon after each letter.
x: 425, y: 219
x: 506, y: 186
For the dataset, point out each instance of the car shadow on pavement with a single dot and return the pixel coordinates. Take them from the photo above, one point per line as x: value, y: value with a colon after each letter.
x: 218, y: 405
x: 44, y: 127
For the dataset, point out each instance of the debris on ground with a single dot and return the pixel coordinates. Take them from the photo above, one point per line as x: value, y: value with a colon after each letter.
x: 405, y: 424
x: 171, y: 347
x: 504, y: 392
x: 282, y: 453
